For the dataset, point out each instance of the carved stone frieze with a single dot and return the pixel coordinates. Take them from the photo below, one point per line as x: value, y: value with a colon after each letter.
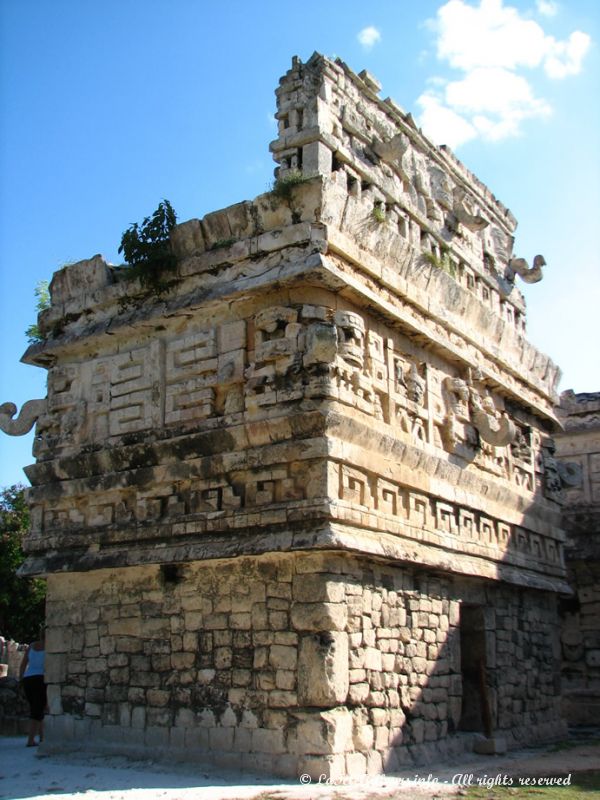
x: 494, y: 428
x: 468, y: 403
x: 558, y: 474
x: 474, y: 222
x: 457, y: 414
x: 417, y: 510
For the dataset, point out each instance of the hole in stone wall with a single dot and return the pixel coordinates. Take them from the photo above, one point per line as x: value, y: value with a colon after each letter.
x: 569, y: 605
x: 489, y: 261
x: 325, y: 639
x: 171, y: 574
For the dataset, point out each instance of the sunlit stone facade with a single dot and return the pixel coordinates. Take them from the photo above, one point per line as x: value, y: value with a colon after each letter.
x: 299, y: 509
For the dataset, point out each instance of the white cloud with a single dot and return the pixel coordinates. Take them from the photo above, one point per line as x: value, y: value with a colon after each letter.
x: 565, y: 58
x: 443, y: 124
x: 488, y: 102
x: 368, y: 37
x: 491, y: 43
x: 493, y: 90
x: 490, y: 35
x: 547, y: 8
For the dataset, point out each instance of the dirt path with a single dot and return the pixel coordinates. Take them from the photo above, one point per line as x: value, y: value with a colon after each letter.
x: 26, y: 774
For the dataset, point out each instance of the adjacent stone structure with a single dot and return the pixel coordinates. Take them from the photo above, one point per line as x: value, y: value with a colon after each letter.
x: 298, y: 509
x: 580, y: 444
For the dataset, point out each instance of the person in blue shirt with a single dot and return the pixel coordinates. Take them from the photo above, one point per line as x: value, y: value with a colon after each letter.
x: 31, y: 674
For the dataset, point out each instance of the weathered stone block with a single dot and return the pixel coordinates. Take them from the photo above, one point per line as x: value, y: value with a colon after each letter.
x: 373, y: 659
x: 358, y: 693
x: 318, y: 616
x: 323, y: 669
x: 334, y: 767
x: 283, y: 657
x: 268, y: 741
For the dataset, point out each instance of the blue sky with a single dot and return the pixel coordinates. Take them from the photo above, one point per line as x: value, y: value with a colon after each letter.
x: 106, y: 108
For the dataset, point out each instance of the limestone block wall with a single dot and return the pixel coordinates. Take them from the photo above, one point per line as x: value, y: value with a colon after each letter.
x: 320, y: 663
x: 579, y: 444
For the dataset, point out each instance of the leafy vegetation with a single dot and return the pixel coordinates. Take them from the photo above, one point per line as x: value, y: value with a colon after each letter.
x: 282, y: 188
x: 42, y: 292
x: 379, y: 213
x: 443, y: 262
x: 146, y: 247
x: 22, y: 600
x: 220, y: 243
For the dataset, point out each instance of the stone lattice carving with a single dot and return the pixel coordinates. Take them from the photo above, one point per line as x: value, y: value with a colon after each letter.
x: 30, y: 413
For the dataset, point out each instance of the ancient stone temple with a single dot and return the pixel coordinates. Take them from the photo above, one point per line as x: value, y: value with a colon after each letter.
x: 297, y: 507
x: 579, y: 445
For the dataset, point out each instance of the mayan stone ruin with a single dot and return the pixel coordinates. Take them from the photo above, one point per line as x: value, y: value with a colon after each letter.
x: 579, y: 445
x: 300, y: 511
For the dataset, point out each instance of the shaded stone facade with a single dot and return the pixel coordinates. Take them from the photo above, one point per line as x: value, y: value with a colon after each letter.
x: 300, y: 508
x: 321, y: 663
x: 579, y: 444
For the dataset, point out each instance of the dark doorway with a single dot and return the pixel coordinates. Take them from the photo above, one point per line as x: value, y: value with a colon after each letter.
x: 475, y: 711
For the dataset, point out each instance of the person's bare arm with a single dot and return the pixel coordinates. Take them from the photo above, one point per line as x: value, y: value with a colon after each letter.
x: 23, y: 666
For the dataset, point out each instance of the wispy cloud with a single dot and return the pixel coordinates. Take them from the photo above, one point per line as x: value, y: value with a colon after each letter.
x: 547, y: 8
x: 368, y: 37
x: 491, y: 44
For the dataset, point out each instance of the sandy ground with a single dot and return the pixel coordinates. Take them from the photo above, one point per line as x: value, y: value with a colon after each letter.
x: 25, y: 773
